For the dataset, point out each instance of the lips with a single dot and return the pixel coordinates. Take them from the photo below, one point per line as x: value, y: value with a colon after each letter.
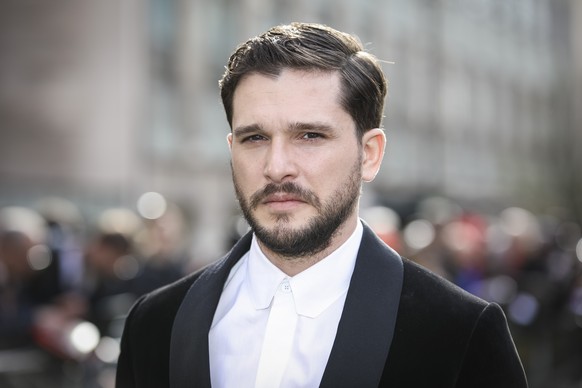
x: 282, y: 202
x: 282, y: 197
x: 286, y: 194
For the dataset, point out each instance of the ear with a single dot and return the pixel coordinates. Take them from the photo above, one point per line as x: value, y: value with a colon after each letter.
x: 374, y: 144
x: 229, y: 140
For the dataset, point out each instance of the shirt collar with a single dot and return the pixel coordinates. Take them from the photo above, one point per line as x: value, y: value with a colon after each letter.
x: 314, y: 289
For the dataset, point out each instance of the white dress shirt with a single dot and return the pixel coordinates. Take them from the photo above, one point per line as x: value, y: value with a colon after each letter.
x: 240, y: 321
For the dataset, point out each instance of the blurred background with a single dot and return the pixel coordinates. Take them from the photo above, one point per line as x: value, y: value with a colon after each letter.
x: 115, y: 177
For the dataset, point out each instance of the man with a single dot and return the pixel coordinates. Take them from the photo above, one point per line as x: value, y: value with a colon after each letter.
x: 311, y: 297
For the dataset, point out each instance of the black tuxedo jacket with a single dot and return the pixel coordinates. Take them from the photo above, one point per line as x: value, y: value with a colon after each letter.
x: 402, y: 326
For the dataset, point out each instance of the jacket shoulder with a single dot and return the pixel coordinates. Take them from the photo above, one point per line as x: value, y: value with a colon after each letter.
x: 456, y: 338
x: 437, y: 295
x: 145, y: 344
x: 161, y: 304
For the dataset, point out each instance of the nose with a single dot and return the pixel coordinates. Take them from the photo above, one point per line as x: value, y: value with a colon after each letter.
x: 280, y: 165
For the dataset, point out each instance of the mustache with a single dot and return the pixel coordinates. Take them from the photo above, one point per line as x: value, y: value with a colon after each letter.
x: 286, y: 188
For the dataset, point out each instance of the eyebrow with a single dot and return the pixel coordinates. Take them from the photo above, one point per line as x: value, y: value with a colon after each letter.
x: 246, y: 129
x: 294, y: 127
x: 317, y: 125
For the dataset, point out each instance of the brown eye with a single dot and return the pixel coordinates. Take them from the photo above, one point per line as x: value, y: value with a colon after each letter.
x: 312, y: 135
x: 253, y: 138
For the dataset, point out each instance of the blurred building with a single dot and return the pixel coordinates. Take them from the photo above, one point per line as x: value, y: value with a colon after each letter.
x: 102, y: 101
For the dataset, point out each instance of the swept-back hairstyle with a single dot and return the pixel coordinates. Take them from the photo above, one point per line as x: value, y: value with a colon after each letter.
x: 306, y: 46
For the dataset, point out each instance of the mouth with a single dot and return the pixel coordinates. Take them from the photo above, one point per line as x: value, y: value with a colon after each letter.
x: 282, y: 201
x: 283, y: 197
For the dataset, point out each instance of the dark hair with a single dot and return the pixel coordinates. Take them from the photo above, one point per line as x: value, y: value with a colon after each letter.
x: 313, y: 47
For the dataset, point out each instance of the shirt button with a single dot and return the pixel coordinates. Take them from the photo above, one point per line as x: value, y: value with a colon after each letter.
x: 285, y: 287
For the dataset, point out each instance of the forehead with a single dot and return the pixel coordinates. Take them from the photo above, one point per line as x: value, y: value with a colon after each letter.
x: 293, y: 95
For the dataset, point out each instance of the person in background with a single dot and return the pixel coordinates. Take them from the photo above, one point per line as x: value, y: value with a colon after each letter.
x: 116, y: 276
x: 311, y: 296
x: 29, y: 278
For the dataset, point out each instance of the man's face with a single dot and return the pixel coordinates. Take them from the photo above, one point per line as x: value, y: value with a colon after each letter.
x: 296, y: 161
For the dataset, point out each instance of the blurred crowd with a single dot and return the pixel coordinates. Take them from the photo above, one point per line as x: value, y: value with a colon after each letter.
x: 67, y: 284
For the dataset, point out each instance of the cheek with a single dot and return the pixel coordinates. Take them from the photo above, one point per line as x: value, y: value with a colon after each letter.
x: 245, y: 168
x: 331, y: 173
x: 247, y: 175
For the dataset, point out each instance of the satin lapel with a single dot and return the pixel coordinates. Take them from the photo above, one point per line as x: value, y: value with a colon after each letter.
x: 189, y: 363
x: 366, y: 327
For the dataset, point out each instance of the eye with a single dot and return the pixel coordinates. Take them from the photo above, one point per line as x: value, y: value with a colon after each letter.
x: 253, y: 138
x: 312, y: 135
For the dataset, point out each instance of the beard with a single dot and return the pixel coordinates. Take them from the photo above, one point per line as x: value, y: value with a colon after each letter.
x: 317, y: 235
